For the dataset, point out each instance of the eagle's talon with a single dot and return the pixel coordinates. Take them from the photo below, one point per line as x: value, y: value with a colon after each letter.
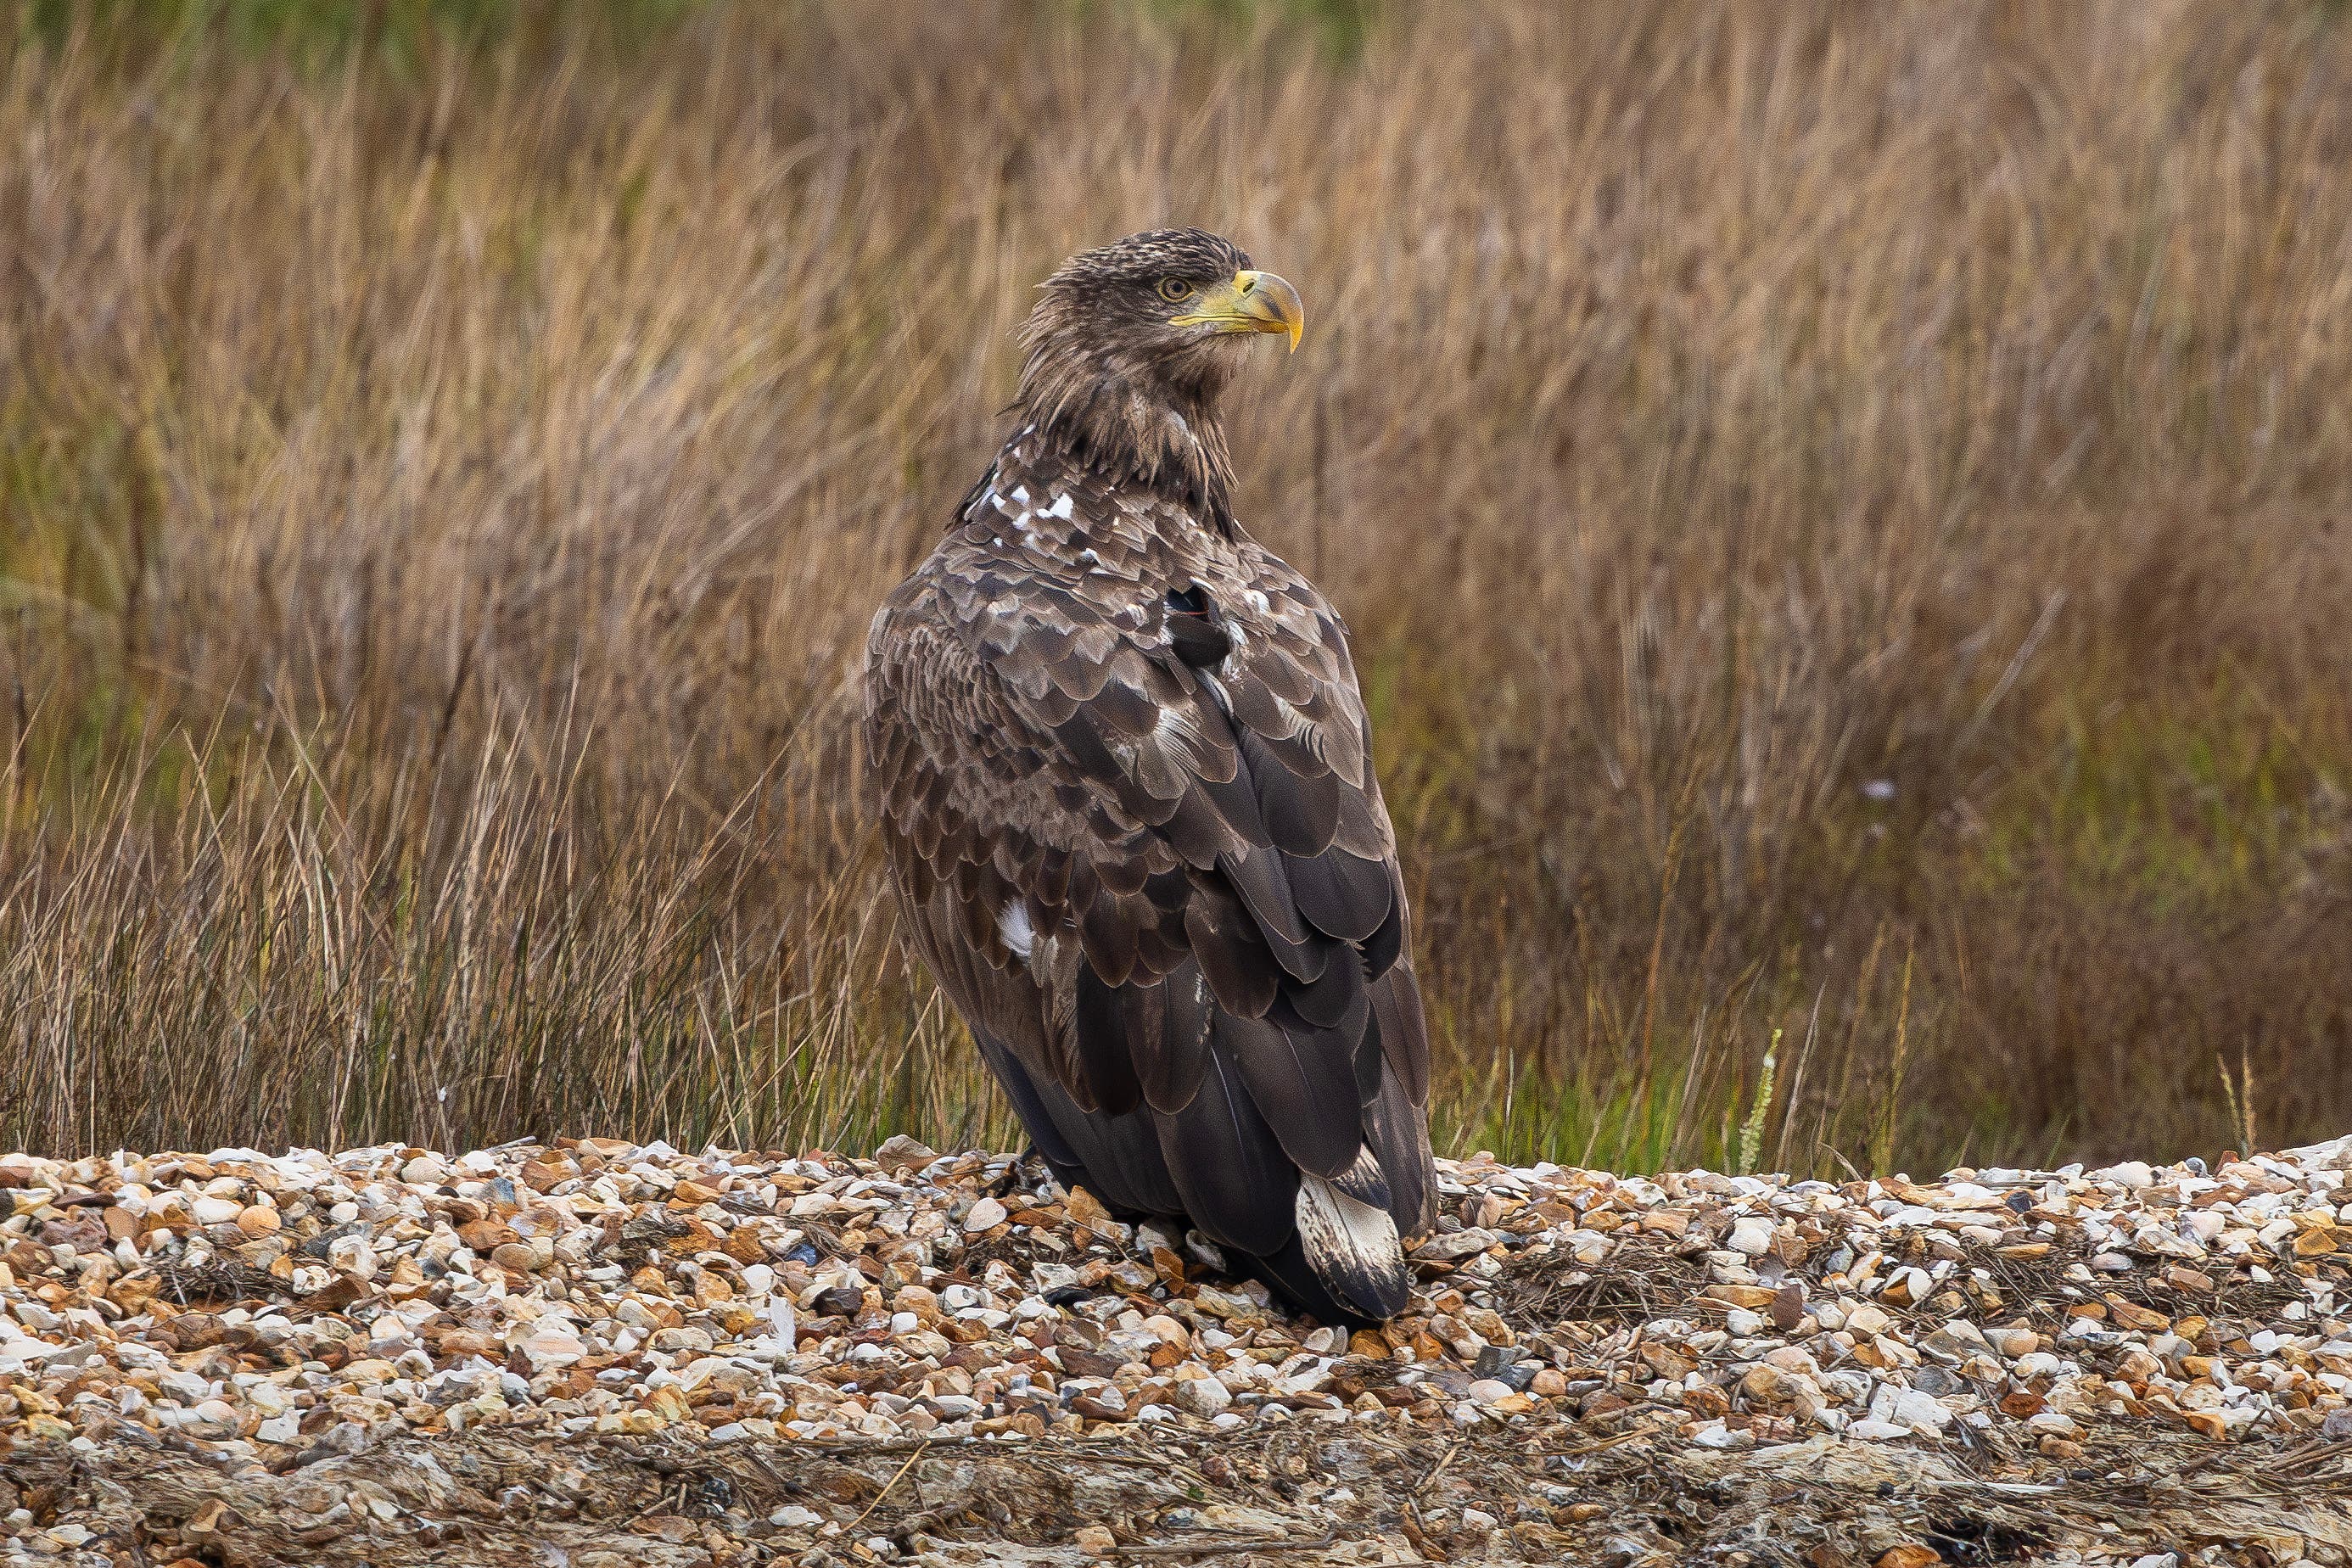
x: 1012, y: 1179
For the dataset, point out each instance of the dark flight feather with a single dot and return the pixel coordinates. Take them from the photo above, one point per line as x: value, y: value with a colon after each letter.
x: 1224, y: 1159
x: 1302, y: 1079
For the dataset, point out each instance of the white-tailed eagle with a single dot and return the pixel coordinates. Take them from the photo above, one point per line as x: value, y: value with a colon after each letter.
x: 1126, y: 780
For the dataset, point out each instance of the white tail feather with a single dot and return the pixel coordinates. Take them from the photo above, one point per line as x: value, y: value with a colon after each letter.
x: 1352, y: 1247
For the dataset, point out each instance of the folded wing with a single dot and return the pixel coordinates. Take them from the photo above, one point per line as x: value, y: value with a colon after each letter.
x: 1165, y: 896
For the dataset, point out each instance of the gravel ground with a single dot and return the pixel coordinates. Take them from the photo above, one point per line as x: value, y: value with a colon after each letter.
x: 597, y: 1353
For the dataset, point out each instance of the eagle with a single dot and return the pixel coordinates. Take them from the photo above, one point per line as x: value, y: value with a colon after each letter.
x: 1124, y: 774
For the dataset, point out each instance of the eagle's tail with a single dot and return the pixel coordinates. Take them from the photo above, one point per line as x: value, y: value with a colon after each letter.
x: 1349, y: 1240
x: 1344, y: 1262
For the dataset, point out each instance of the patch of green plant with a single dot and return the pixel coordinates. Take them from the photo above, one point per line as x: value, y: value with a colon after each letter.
x: 1338, y: 27
x: 2187, y: 806
x: 396, y: 33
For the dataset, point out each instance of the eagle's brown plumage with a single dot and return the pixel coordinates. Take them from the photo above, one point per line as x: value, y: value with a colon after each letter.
x: 1126, y: 781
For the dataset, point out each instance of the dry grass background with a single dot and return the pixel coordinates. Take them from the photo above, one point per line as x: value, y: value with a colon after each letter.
x: 1841, y: 510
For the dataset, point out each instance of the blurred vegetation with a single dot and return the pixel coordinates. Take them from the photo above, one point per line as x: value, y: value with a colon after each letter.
x: 1840, y: 512
x: 399, y: 35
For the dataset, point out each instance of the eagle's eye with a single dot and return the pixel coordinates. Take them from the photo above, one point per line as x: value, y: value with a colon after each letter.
x: 1175, y: 289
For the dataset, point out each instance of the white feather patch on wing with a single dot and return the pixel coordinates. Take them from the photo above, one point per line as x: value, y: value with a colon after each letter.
x: 1012, y: 924
x: 1165, y: 761
x: 1351, y: 1245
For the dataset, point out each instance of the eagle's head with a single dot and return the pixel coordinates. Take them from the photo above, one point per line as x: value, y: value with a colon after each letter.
x: 1131, y: 343
x: 1154, y: 312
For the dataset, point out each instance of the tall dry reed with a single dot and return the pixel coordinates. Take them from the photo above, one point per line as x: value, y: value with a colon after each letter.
x: 1840, y: 509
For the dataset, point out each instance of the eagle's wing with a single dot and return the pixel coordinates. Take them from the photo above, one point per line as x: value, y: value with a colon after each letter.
x: 1165, y: 896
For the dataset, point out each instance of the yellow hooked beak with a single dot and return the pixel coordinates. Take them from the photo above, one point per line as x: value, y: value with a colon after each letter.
x: 1250, y: 302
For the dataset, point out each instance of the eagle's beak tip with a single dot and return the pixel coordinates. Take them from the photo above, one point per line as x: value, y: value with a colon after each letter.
x: 1251, y: 302
x: 1272, y: 305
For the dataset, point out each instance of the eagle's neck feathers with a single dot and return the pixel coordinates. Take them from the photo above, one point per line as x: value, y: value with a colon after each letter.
x: 1110, y: 427
x: 1151, y: 424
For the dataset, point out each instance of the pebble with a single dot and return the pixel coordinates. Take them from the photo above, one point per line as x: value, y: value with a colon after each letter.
x: 594, y: 1286
x: 1910, y: 1408
x: 215, y: 1211
x: 1203, y: 1396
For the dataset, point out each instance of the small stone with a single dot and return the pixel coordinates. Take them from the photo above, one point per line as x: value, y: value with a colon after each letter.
x: 1094, y: 1538
x: 1909, y: 1286
x: 1867, y: 1320
x: 1910, y: 1408
x: 900, y: 1153
x: 1446, y: 1247
x: 1910, y: 1555
x: 986, y: 1214
x: 1753, y: 1297
x: 1203, y: 1396
x: 1086, y: 1209
x: 841, y: 1301
x: 2213, y: 1424
x: 1168, y: 1333
x: 549, y: 1348
x: 1751, y: 1237
x: 486, y: 1236
x: 1493, y: 1359
x: 1788, y: 1310
x: 212, y: 1418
